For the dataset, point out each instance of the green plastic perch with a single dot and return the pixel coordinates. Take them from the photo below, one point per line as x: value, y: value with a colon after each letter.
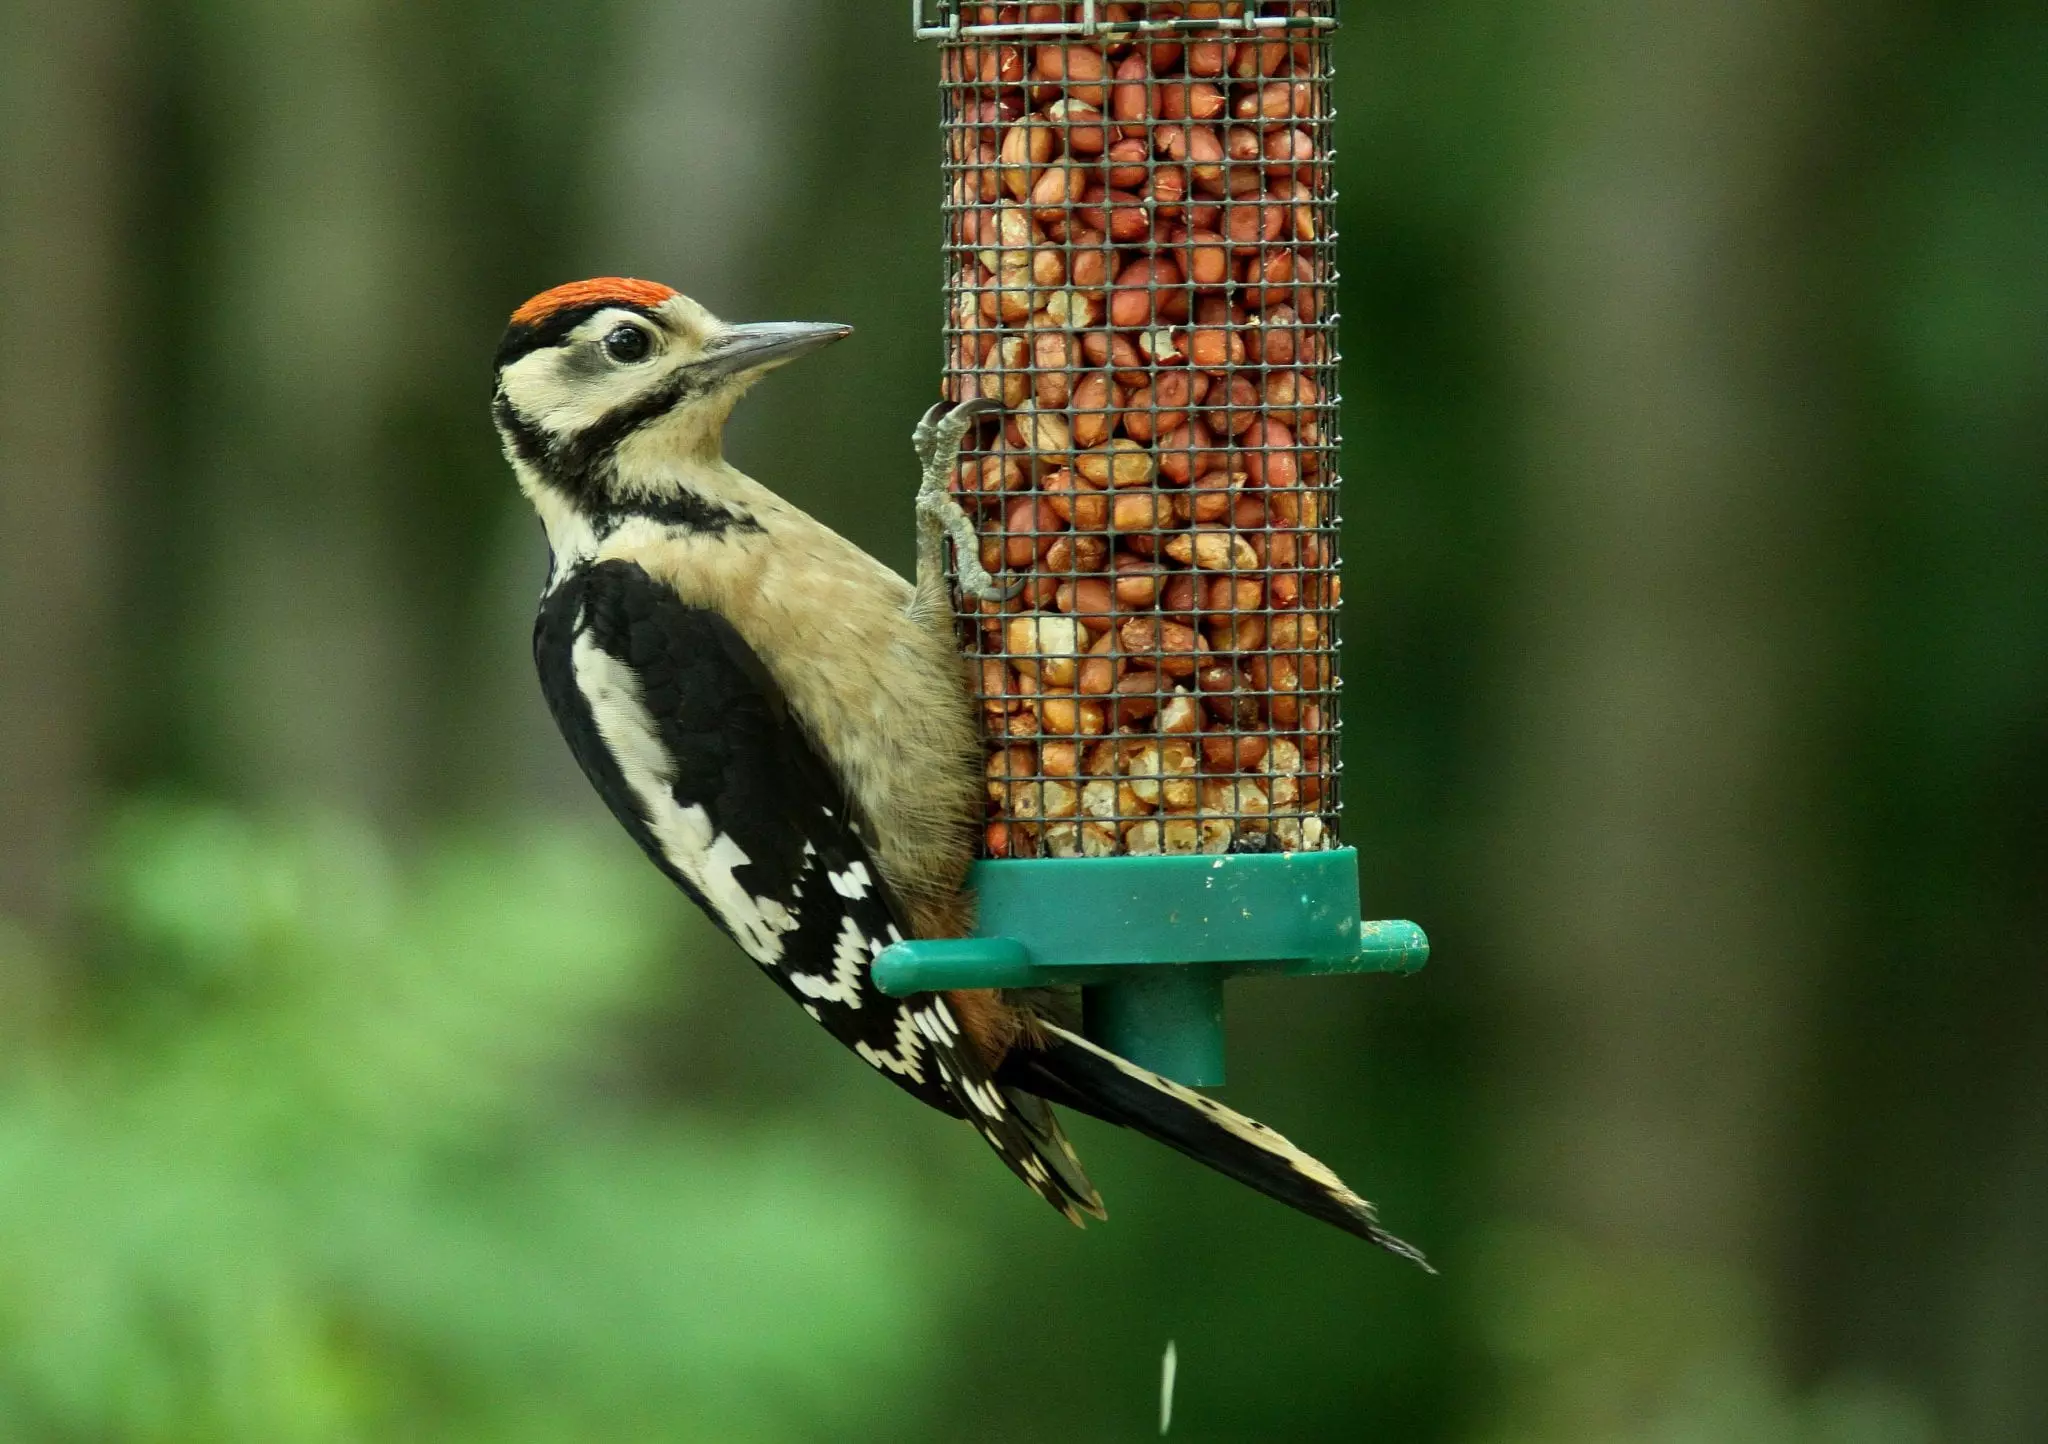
x: 1151, y: 939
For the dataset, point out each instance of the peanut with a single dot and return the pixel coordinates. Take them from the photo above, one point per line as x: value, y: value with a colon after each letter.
x: 1137, y: 299
x: 1075, y: 310
x: 1137, y: 696
x: 1172, y: 646
x: 1126, y: 161
x: 1081, y: 123
x: 1029, y: 524
x: 1136, y: 584
x: 1212, y: 549
x: 1074, y: 71
x: 1189, y: 100
x: 1044, y: 433
x: 1026, y: 147
x: 1076, y: 552
x: 1122, y: 463
x: 1135, y: 511
x: 1044, y: 647
x: 1162, y: 406
x: 1088, y: 599
x: 1089, y: 405
x: 1075, y: 502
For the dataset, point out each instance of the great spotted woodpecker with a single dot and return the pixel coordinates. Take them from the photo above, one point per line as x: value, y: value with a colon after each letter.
x: 783, y: 724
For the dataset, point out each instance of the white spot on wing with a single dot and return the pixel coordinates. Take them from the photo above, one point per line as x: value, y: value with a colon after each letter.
x: 704, y: 856
x: 849, y: 951
x: 983, y: 1096
x: 853, y: 883
x: 903, y: 1058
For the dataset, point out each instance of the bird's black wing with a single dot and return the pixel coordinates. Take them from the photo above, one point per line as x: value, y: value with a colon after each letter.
x: 687, y: 737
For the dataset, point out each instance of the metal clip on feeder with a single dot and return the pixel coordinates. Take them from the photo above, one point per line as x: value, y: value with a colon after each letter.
x: 1140, y: 267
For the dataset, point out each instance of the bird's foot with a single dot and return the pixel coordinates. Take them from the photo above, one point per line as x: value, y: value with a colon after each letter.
x: 937, y: 438
x: 940, y: 517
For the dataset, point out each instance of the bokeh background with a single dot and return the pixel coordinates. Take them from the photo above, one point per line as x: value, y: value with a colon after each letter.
x: 358, y: 1081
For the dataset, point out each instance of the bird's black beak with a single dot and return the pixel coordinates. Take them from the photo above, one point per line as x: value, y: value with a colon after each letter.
x: 762, y: 345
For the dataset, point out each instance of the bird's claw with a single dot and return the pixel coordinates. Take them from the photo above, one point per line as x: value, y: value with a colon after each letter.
x: 924, y: 435
x: 942, y: 428
x: 973, y: 409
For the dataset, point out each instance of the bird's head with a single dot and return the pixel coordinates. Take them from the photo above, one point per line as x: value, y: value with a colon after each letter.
x: 610, y: 387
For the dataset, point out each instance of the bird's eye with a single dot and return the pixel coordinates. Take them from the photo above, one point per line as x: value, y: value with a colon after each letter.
x: 627, y: 344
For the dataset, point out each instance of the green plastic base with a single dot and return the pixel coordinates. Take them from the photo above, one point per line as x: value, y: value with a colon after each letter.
x: 1151, y: 940
x: 1169, y: 1019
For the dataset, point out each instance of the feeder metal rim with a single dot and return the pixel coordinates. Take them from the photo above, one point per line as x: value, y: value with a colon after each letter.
x: 1090, y: 26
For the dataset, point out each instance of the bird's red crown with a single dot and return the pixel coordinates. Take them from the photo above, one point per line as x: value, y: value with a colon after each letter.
x: 598, y: 291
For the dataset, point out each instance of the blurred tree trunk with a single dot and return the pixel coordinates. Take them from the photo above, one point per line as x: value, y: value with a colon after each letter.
x: 2001, y: 1311
x: 1658, y: 866
x: 64, y: 98
x: 304, y: 639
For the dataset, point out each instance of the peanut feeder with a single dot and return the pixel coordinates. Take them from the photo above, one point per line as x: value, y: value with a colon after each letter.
x: 1139, y: 266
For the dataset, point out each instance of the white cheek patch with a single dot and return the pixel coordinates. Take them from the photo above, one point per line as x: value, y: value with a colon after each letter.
x: 563, y: 397
x: 543, y: 391
x: 705, y: 857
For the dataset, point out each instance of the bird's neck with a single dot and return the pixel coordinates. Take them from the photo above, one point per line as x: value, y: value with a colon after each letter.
x: 694, y: 493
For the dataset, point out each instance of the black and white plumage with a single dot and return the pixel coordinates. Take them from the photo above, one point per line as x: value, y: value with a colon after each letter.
x: 782, y: 724
x: 688, y: 739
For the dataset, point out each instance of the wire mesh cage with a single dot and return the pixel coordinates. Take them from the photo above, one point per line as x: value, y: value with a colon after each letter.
x: 1139, y: 257
x: 1139, y: 271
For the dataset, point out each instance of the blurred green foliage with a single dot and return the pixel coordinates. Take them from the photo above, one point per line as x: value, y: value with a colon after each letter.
x: 331, y: 1163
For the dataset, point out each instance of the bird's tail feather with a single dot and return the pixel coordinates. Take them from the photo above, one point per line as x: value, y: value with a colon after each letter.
x: 1072, y: 1071
x: 1065, y: 1186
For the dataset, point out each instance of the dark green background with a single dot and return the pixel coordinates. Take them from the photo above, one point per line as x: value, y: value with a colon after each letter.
x: 358, y: 1081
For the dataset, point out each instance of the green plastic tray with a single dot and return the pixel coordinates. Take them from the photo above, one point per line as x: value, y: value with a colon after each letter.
x: 1150, y: 941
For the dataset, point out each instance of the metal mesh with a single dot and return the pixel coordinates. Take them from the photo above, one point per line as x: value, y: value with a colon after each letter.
x: 1139, y: 264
